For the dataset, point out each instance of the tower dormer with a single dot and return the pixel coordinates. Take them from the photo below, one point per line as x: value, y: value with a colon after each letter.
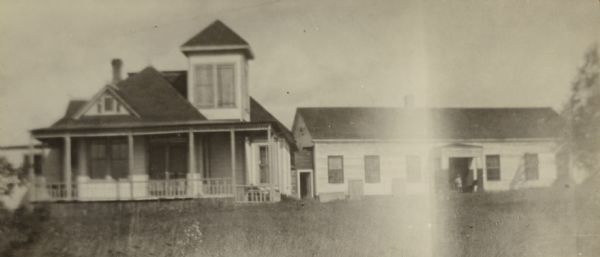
x: 218, y: 72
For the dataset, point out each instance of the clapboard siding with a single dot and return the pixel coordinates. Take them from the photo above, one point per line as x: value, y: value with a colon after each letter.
x: 511, y: 158
x: 392, y: 165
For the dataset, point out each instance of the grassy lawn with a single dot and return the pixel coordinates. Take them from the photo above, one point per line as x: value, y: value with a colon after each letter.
x: 537, y: 223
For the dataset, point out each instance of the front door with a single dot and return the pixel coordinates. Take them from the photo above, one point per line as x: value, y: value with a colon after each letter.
x: 261, y: 166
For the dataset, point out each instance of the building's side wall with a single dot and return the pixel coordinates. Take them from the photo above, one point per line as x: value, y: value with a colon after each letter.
x: 392, y: 158
x: 393, y: 165
x: 512, y: 161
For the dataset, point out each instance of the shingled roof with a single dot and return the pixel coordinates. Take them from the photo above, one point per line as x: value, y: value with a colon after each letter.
x: 157, y: 97
x: 437, y: 123
x: 217, y: 36
x: 149, y: 95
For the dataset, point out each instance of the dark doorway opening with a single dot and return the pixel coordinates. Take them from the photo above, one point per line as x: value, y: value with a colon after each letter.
x: 305, y: 185
x: 461, y: 178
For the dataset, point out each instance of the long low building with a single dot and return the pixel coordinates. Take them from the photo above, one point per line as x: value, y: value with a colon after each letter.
x: 354, y: 151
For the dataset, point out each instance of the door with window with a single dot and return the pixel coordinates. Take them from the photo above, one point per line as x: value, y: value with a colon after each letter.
x: 261, y: 167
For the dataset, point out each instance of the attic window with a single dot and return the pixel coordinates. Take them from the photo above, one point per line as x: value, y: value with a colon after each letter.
x: 109, y: 104
x: 214, y: 86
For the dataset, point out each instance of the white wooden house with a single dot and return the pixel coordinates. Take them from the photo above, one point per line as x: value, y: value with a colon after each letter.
x: 170, y: 134
x: 380, y: 151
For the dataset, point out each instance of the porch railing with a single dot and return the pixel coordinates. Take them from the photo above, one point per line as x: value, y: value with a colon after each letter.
x: 102, y: 190
x: 257, y: 194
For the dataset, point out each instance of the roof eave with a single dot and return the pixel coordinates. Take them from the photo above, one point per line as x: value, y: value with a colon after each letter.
x: 212, y: 48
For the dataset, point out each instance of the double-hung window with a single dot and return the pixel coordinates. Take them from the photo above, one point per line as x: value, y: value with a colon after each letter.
x: 214, y: 85
x: 108, y: 158
x: 492, y: 166
x: 335, y: 169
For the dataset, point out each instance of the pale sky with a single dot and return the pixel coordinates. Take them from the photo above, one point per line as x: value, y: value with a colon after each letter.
x: 475, y: 53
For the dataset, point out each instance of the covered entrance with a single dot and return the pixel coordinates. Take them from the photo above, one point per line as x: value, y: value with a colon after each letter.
x: 461, y: 174
x: 461, y: 168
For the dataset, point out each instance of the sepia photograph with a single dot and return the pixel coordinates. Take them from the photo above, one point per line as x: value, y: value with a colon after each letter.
x: 258, y: 128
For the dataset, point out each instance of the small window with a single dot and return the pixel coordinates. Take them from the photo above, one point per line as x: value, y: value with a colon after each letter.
x: 372, y: 169
x: 109, y: 104
x: 413, y: 168
x: 492, y: 165
x: 335, y: 167
x: 531, y: 167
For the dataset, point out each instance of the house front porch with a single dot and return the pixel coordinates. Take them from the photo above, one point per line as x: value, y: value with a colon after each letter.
x: 248, y: 164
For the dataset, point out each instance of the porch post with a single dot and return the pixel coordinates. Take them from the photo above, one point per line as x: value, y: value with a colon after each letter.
x: 192, y: 175
x: 233, y: 180
x: 67, y: 167
x: 30, y: 169
x: 130, y: 162
x: 270, y: 162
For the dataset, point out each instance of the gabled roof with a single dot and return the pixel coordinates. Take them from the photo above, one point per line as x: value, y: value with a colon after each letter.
x: 217, y: 36
x: 148, y: 93
x: 259, y: 114
x: 154, y: 98
x: 74, y: 106
x: 435, y: 123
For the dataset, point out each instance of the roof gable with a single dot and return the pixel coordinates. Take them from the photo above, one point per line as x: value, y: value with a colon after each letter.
x: 217, y: 37
x: 88, y: 109
x: 216, y: 34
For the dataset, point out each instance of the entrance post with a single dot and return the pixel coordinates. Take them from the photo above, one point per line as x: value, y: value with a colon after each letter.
x: 67, y: 167
x: 192, y: 175
x: 233, y: 180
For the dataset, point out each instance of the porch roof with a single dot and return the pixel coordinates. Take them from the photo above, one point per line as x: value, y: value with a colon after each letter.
x: 149, y: 128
